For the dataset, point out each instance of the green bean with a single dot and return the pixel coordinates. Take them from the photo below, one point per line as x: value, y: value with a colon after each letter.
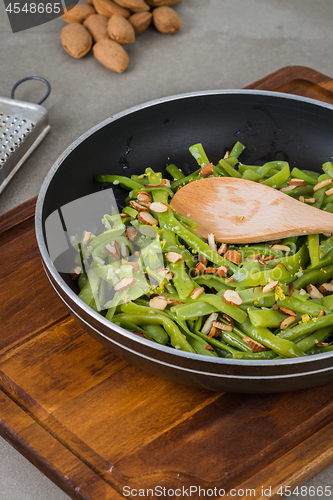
x: 175, y: 172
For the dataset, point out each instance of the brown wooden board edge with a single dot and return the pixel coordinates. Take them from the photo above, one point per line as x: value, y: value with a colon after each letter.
x: 287, y: 463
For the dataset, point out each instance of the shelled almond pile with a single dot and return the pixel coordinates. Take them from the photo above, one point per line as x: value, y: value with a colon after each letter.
x: 107, y: 25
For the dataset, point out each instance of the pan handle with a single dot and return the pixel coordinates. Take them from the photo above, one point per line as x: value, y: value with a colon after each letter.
x: 33, y: 78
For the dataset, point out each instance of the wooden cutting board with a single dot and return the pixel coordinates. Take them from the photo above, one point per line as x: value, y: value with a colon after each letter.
x: 102, y: 429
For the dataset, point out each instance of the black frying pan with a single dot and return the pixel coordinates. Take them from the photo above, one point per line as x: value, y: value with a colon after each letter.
x: 271, y: 125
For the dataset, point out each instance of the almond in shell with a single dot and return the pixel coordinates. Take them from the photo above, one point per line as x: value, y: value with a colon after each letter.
x: 76, y: 40
x: 97, y: 26
x: 140, y: 21
x: 166, y: 20
x: 120, y: 30
x: 108, y: 8
x: 111, y: 54
x: 133, y: 5
x: 77, y: 13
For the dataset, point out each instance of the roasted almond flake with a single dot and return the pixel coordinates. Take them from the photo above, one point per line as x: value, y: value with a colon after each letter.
x: 209, y: 348
x: 206, y: 170
x: 232, y: 297
x: 138, y: 206
x: 286, y: 322
x: 75, y: 272
x: 322, y: 313
x: 270, y: 286
x: 123, y: 284
x: 143, y: 196
x: 270, y: 257
x: 147, y: 218
x: 123, y: 250
x: 326, y: 289
x: 288, y: 312
x: 222, y: 271
x: 301, y: 199
x: 233, y: 256
x: 166, y: 182
x: 209, y: 323
x: 113, y: 249
x: 329, y: 192
x: 322, y: 184
x: 231, y: 278
x: 222, y: 249
x: 214, y: 332
x: 139, y: 333
x: 153, y: 185
x: 310, y: 200
x: 131, y: 233
x: 134, y: 265
x: 255, y: 346
x: 228, y: 318
x: 86, y: 238
x: 296, y: 182
x: 158, y: 207
x: 158, y: 302
x: 322, y: 344
x: 281, y: 248
x: 173, y: 257
x: 291, y: 288
x: 209, y: 270
x: 222, y: 326
x: 197, y: 292
x: 202, y: 259
x: 287, y: 189
x: 314, y: 292
x: 200, y: 267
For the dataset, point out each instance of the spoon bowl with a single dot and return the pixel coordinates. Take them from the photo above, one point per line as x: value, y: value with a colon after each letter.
x: 242, y: 211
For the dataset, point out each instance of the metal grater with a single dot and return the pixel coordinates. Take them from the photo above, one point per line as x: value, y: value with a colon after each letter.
x: 22, y: 127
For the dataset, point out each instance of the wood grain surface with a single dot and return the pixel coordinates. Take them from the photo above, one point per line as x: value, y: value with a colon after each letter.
x: 99, y: 427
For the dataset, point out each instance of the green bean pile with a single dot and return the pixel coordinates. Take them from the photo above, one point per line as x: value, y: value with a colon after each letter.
x: 152, y: 274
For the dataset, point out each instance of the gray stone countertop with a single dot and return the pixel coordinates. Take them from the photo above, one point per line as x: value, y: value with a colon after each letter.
x: 222, y: 44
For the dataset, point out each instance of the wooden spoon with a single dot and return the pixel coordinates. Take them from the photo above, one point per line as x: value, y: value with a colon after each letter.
x: 242, y: 211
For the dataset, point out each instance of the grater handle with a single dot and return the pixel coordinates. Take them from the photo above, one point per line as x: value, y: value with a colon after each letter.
x: 33, y: 78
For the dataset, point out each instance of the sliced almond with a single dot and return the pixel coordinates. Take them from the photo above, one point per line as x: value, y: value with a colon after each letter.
x: 165, y: 273
x: 113, y: 249
x: 314, y: 292
x: 158, y: 207
x: 75, y: 272
x: 255, y: 346
x: 301, y: 199
x: 131, y: 233
x: 214, y: 332
x: 153, y: 185
x: 145, y: 203
x: 124, y: 216
x: 200, y: 267
x: 209, y: 348
x: 147, y: 218
x: 232, y: 297
x: 143, y: 196
x: 86, y: 238
x: 222, y: 271
x: 270, y: 286
x: 322, y: 184
x: 228, y: 318
x: 124, y: 283
x: 202, y: 259
x: 211, y: 242
x: 166, y: 183
x: 322, y: 313
x: 281, y: 248
x: 287, y: 312
x: 231, y: 278
x: 134, y: 265
x: 222, y: 326
x: 296, y: 182
x: 197, y: 292
x: 138, y: 206
x: 326, y: 289
x: 222, y: 249
x: 233, y: 256
x: 287, y: 189
x: 270, y: 257
x: 209, y: 323
x: 206, y: 170
x: 256, y: 256
x: 158, y: 302
x: 286, y: 322
x: 310, y: 200
x: 139, y: 333
x: 209, y: 270
x: 173, y: 257
x: 291, y: 288
x: 123, y: 250
x: 329, y: 192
